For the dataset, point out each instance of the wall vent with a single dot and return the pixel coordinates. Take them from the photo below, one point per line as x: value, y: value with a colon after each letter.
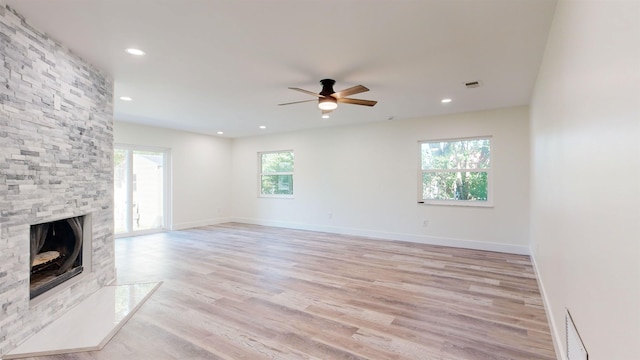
x: 575, y: 347
x: 472, y: 84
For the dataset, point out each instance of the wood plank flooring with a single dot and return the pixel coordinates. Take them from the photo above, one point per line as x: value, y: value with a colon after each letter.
x: 237, y: 291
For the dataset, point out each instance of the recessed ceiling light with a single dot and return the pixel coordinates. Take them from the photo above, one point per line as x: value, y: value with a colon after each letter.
x: 125, y: 98
x: 325, y: 116
x: 445, y: 101
x: 220, y: 132
x: 262, y: 127
x: 134, y: 51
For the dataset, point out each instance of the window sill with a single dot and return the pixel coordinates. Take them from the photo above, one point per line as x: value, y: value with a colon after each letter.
x: 275, y: 196
x: 483, y: 204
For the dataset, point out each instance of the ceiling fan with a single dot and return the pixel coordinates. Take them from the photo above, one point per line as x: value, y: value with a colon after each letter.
x: 328, y: 99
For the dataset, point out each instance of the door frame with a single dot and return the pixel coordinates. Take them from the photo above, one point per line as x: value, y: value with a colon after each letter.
x: 166, y: 191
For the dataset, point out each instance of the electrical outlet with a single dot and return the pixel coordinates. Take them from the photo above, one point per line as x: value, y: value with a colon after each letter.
x: 330, y: 215
x: 425, y: 223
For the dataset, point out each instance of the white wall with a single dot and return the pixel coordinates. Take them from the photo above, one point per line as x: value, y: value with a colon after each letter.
x: 366, y: 177
x: 200, y: 171
x: 585, y: 131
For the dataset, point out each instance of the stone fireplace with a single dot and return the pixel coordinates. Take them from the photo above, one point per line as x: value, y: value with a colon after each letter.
x: 56, y: 164
x: 56, y: 252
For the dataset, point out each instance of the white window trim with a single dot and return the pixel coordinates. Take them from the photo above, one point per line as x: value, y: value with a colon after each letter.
x: 465, y: 203
x: 260, y: 174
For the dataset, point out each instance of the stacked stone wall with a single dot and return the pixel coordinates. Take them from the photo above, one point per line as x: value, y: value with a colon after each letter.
x: 56, y: 161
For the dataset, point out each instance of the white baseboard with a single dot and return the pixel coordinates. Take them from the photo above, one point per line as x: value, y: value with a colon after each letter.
x: 555, y: 332
x: 193, y: 224
x: 421, y: 239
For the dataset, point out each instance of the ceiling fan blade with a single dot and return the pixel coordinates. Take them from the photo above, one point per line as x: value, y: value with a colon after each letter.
x: 357, y: 101
x: 324, y: 112
x: 305, y: 91
x: 350, y: 91
x: 298, y: 102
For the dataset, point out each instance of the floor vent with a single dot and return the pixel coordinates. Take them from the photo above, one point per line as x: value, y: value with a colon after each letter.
x: 575, y: 347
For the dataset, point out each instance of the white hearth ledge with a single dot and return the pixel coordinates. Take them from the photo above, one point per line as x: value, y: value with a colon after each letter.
x: 90, y: 325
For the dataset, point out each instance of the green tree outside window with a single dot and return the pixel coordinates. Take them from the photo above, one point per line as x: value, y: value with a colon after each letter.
x: 456, y: 170
x: 276, y: 173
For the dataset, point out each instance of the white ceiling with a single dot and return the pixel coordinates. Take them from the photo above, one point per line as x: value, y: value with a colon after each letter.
x: 225, y: 65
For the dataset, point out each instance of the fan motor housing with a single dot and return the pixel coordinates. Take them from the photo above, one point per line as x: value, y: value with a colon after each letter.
x: 327, y: 87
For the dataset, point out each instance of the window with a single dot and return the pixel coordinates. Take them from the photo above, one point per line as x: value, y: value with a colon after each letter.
x: 456, y: 172
x: 276, y: 173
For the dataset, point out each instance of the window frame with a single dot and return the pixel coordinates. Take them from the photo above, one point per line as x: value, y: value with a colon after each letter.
x: 467, y: 203
x: 261, y: 174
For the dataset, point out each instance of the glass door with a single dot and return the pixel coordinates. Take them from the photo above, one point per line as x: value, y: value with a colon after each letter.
x: 121, y: 200
x: 140, y: 183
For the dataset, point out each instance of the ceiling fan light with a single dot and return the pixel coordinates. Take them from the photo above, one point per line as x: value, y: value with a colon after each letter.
x: 327, y: 103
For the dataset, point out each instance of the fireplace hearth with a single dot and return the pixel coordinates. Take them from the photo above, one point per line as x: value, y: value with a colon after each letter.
x: 56, y: 253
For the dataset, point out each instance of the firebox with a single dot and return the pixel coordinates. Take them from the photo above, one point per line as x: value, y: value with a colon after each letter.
x: 56, y: 253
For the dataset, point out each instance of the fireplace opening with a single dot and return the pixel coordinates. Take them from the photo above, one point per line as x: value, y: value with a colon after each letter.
x: 56, y: 253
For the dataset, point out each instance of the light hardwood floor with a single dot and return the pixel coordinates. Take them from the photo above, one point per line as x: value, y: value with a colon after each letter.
x: 237, y: 291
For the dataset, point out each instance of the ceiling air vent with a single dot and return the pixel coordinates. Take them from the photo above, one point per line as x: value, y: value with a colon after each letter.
x: 472, y: 84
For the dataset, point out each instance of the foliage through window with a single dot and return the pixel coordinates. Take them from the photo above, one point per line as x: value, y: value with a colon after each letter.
x: 276, y: 173
x: 456, y: 171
